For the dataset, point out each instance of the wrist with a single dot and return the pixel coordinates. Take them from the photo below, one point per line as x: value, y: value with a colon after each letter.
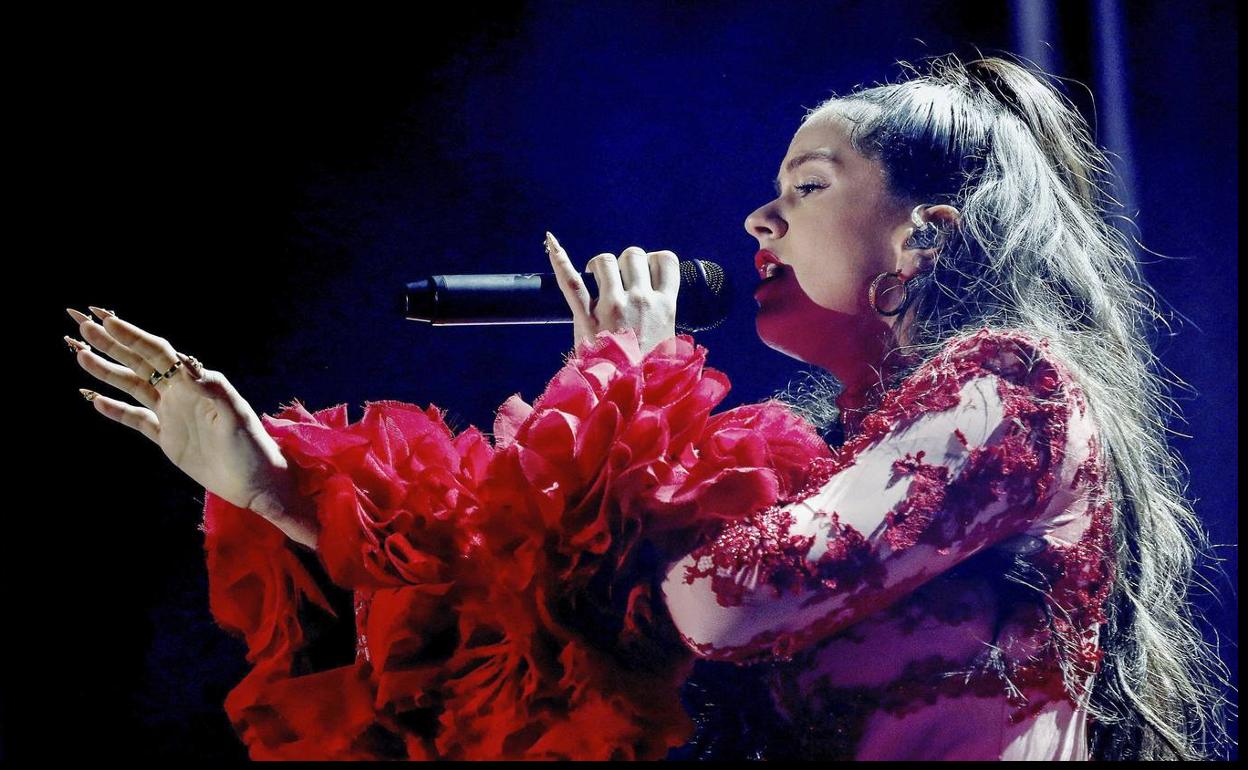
x: 282, y: 505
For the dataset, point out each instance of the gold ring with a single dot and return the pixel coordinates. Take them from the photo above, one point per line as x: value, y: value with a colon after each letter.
x: 157, y: 376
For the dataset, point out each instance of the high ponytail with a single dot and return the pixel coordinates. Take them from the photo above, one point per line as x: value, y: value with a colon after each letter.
x: 1059, y: 131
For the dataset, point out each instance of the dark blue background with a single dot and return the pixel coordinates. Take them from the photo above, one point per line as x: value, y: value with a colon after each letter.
x: 257, y: 190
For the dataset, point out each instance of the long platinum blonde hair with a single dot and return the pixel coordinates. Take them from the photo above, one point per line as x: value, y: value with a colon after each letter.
x: 1036, y: 250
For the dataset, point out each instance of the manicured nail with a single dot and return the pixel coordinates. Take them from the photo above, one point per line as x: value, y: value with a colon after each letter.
x: 100, y: 312
x: 88, y: 394
x: 192, y: 364
x: 551, y: 243
x: 75, y: 345
x: 79, y: 317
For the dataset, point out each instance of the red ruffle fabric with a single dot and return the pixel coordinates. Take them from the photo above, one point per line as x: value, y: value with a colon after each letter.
x: 505, y: 592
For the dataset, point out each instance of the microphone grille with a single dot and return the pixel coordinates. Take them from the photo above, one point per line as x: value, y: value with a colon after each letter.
x: 714, y: 274
x: 710, y: 296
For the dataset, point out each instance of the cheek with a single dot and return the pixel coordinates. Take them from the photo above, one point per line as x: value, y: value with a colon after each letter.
x: 837, y: 279
x: 830, y: 286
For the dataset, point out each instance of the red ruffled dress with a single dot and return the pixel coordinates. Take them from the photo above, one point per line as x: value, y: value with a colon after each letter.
x: 544, y: 596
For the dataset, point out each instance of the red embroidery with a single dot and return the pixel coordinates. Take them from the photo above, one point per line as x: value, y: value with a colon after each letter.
x: 914, y: 516
x: 763, y: 546
x: 763, y: 540
x: 848, y: 563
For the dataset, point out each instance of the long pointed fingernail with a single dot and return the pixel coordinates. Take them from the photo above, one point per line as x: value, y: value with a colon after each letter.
x: 75, y: 345
x: 551, y: 243
x: 100, y: 312
x: 79, y: 317
x: 88, y: 394
x: 192, y: 364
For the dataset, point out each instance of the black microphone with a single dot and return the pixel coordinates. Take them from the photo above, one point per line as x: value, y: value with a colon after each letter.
x: 704, y: 300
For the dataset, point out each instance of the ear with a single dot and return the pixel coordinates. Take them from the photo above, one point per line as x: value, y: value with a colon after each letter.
x: 917, y: 247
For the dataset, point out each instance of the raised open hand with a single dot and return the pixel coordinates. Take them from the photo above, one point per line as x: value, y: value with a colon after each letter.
x: 196, y: 417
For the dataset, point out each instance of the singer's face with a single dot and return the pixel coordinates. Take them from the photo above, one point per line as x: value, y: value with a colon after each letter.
x: 835, y: 229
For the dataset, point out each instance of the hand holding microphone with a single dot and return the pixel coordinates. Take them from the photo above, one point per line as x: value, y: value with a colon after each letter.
x: 636, y: 278
x: 637, y: 291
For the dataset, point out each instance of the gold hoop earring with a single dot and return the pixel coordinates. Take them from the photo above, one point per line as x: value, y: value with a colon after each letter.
x: 874, y: 294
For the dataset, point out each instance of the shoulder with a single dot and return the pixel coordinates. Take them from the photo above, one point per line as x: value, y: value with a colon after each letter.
x: 1029, y: 368
x: 1019, y: 356
x: 1023, y: 375
x: 1043, y: 403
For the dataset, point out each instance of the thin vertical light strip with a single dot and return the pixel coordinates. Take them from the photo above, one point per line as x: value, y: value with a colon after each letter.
x: 1035, y: 37
x: 1112, y: 90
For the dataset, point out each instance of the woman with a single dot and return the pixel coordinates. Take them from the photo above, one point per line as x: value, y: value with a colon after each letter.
x: 992, y: 565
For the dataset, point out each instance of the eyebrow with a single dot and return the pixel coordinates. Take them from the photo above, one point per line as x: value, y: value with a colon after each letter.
x: 827, y: 155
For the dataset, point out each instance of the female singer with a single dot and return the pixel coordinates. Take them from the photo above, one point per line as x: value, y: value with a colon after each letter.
x: 989, y: 562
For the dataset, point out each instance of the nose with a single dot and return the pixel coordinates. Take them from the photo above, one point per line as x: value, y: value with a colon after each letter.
x: 765, y: 222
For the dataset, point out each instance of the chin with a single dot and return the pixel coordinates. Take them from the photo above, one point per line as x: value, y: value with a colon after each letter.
x: 776, y: 338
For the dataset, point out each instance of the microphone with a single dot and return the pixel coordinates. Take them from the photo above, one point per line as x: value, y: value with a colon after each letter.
x: 705, y: 298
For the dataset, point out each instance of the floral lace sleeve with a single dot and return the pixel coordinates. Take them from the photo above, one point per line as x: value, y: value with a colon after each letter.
x: 969, y: 451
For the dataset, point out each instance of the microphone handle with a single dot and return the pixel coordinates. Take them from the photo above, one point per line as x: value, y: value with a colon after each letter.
x: 488, y: 299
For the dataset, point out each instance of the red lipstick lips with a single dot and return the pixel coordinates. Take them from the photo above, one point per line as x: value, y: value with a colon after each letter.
x: 762, y: 259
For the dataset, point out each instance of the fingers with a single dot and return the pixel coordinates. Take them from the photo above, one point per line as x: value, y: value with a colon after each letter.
x: 665, y: 273
x: 640, y: 271
x: 156, y: 352
x: 119, y: 377
x: 570, y: 281
x: 99, y: 338
x: 144, y: 353
x: 634, y: 278
x: 635, y: 269
x: 607, y: 276
x: 142, y: 420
